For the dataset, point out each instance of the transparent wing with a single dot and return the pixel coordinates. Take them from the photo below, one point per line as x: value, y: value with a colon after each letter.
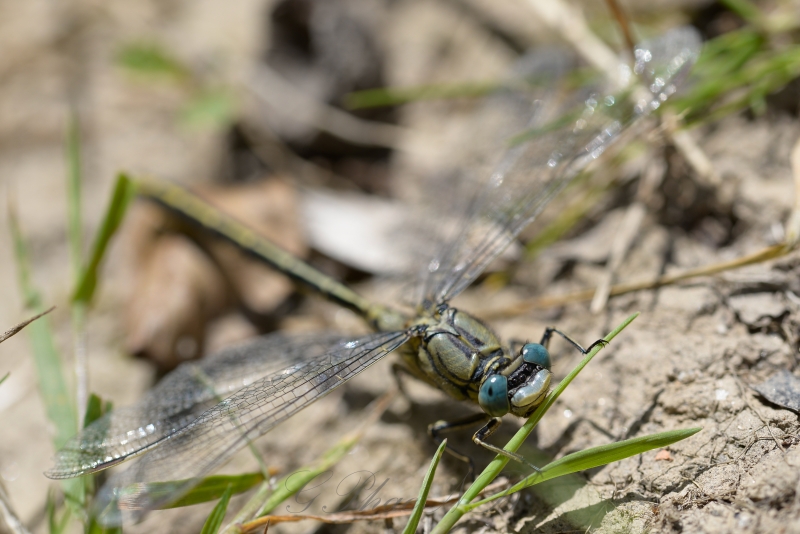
x: 546, y: 157
x: 180, y: 398
x: 181, y: 458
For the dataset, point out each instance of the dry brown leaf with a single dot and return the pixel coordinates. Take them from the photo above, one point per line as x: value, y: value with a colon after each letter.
x: 177, y: 291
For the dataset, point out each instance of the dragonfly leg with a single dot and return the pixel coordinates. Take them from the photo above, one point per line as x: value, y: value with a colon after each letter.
x: 515, y: 345
x: 480, y: 439
x: 397, y: 371
x: 549, y: 331
x: 440, y: 427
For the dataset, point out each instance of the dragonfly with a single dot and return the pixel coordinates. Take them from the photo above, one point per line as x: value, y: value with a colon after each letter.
x: 198, y: 416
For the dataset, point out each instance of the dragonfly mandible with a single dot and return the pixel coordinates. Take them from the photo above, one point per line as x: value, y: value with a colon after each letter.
x: 182, y: 431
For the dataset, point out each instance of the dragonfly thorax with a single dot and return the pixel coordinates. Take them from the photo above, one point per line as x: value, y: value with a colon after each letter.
x: 460, y: 355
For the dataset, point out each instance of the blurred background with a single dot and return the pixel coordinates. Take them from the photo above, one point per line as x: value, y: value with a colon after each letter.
x: 263, y: 108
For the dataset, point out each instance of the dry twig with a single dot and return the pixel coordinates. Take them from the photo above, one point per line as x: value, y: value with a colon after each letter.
x: 16, y: 328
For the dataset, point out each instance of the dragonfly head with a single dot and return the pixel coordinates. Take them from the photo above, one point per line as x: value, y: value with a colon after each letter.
x: 519, y: 388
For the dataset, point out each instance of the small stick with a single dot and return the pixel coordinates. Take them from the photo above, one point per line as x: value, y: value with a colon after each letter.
x: 624, y: 24
x: 16, y: 328
x: 765, y: 254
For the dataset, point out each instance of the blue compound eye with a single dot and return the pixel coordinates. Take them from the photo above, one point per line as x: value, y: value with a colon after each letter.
x: 537, y: 354
x: 493, y: 396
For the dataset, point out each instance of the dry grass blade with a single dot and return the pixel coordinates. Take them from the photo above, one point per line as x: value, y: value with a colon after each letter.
x: 18, y: 327
x: 9, y: 522
x: 765, y: 254
x: 624, y: 24
x: 691, y: 151
x: 379, y: 513
x: 623, y: 241
x: 792, y: 236
x: 572, y: 26
x: 49, y: 366
x: 793, y: 223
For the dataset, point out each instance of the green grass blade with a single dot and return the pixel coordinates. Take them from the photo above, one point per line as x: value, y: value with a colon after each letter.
x: 151, y: 60
x: 393, y: 96
x: 249, y: 509
x: 419, y: 506
x: 735, y: 71
x: 213, y: 487
x: 124, y: 191
x: 94, y: 410
x: 50, y: 511
x: 62, y: 525
x: 209, y: 109
x: 214, y: 521
x: 74, y: 234
x: 4, y: 377
x: 559, y: 389
x: 270, y: 496
x: 54, y: 524
x: 594, y: 457
x: 746, y: 10
x: 495, y: 466
x: 53, y: 388
x: 32, y: 298
x: 517, y: 441
x: 52, y: 384
x: 294, y: 482
x: 75, y: 240
x: 96, y: 528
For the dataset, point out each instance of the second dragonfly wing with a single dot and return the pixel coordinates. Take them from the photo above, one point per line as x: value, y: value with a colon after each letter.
x: 181, y: 397
x: 543, y: 158
x: 181, y: 458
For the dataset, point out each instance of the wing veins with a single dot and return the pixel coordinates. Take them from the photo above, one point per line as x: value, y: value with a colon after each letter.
x: 211, y: 439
